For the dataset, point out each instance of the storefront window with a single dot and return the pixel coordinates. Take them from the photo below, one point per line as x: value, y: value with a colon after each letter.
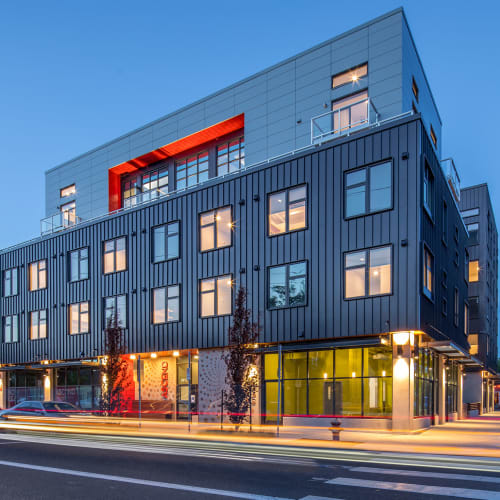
x: 348, y: 363
x: 79, y: 385
x: 425, y: 382
x: 24, y: 386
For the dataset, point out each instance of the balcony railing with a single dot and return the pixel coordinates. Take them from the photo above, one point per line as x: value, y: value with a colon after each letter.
x: 452, y: 177
x: 59, y: 222
x: 145, y: 197
x: 343, y: 121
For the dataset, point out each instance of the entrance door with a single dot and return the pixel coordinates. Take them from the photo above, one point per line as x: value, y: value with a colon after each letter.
x: 183, y: 404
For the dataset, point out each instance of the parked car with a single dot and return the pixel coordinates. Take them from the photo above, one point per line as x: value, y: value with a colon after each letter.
x: 42, y: 409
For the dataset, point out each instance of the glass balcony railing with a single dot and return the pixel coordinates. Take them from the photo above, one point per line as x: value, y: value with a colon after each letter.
x: 343, y: 121
x: 144, y: 197
x: 59, y: 222
x: 452, y: 177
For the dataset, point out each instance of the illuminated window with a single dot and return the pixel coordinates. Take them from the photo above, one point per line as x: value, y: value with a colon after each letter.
x: 115, y: 255
x: 352, y: 76
x: 79, y: 264
x: 10, y: 282
x: 38, y: 324
x: 166, y: 242
x: 473, y: 339
x: 428, y: 273
x: 216, y: 229
x: 287, y: 210
x: 68, y: 213
x: 190, y: 171
x: 78, y: 318
x: 350, y: 112
x: 473, y: 271
x: 231, y: 156
x: 68, y: 191
x: 287, y: 285
x: 368, y: 270
x: 38, y: 275
x: 433, y: 137
x: 414, y: 88
x: 166, y: 307
x: 216, y: 296
x: 466, y: 319
x: 115, y: 310
x: 11, y: 329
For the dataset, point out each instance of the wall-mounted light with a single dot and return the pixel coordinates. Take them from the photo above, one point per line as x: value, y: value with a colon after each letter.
x: 401, y: 338
x: 133, y: 356
x: 154, y: 355
x: 175, y: 354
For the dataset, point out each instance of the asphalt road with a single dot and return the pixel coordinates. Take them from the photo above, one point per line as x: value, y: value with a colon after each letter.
x: 49, y: 467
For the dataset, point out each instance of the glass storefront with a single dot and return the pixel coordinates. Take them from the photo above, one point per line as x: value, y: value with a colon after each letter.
x: 426, y: 382
x: 183, y: 386
x: 351, y: 382
x: 452, y: 375
x: 79, y: 385
x: 24, y: 385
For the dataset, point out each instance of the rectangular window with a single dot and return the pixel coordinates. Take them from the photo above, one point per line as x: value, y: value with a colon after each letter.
x: 79, y: 264
x: 444, y: 307
x: 130, y: 190
x: 428, y: 189
x: 474, y: 343
x: 474, y: 307
x: 231, y: 156
x: 67, y: 191
x: 466, y: 319
x: 350, y: 112
x: 216, y: 296
x: 466, y: 267
x: 444, y: 222
x: 428, y: 273
x: 368, y: 190
x: 473, y: 271
x: 414, y: 88
x: 368, y: 271
x: 352, y: 75
x: 115, y: 255
x: 166, y: 242
x: 456, y: 307
x: 154, y: 184
x: 472, y: 212
x: 473, y: 230
x: 433, y: 137
x: 78, y: 318
x: 287, y: 285
x: 115, y: 309
x: 166, y: 307
x: 287, y: 210
x: 192, y: 170
x: 216, y: 229
x: 38, y: 275
x: 10, y: 282
x: 38, y: 324
x: 11, y: 329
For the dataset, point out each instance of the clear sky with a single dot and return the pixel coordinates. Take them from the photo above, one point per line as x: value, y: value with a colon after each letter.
x: 74, y: 75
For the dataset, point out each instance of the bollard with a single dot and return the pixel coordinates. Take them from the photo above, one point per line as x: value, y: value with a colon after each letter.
x: 335, y: 429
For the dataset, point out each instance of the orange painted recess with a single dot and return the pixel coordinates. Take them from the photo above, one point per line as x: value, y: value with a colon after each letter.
x: 174, y: 148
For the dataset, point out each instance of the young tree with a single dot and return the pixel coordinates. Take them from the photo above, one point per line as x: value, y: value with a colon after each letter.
x: 241, y: 376
x: 115, y: 370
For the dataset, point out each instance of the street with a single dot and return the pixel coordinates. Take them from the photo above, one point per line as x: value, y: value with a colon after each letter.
x: 35, y: 466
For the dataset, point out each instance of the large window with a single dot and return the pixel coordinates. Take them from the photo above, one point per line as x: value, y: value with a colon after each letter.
x: 428, y: 281
x: 166, y: 307
x: 288, y: 285
x: 38, y: 324
x: 426, y: 379
x: 115, y: 255
x: 192, y: 170
x: 10, y: 329
x: 473, y: 230
x: 456, y: 307
x: 166, y: 242
x: 352, y: 75
x: 287, y: 210
x: 216, y: 229
x: 368, y: 272
x: 428, y: 189
x: 473, y: 271
x: 38, y: 275
x: 216, y: 296
x: 350, y: 112
x: 115, y: 310
x: 368, y: 190
x: 231, y: 156
x: 78, y: 318
x: 68, y: 211
x: 68, y: 191
x: 145, y: 187
x: 79, y: 264
x: 10, y: 282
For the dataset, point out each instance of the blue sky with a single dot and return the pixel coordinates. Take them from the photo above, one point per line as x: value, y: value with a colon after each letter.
x: 78, y: 74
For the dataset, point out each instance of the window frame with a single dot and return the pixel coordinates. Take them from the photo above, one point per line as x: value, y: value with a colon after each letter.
x: 38, y: 311
x: 115, y: 300
x: 469, y: 212
x: 80, y: 313
x: 478, y: 270
x: 38, y: 272
x: 14, y: 282
x: 241, y: 155
x: 216, y: 298
x: 433, y: 135
x: 179, y: 298
x: 428, y: 182
x: 466, y: 318
x: 214, y: 225
x: 456, y: 306
x: 414, y: 87
x: 429, y: 294
x: 184, y: 159
x: 287, y: 278
x: 4, y: 327
x: 69, y: 186
x: 286, y: 190
x: 114, y: 251
x: 349, y: 70
x: 70, y: 253
x: 153, y: 234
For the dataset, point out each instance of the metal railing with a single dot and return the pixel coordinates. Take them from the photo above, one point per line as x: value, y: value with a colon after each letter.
x: 343, y: 121
x: 452, y: 177
x: 59, y: 222
x: 145, y: 197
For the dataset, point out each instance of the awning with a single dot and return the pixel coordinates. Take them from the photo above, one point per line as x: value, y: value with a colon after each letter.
x: 454, y: 351
x: 40, y: 366
x: 311, y: 346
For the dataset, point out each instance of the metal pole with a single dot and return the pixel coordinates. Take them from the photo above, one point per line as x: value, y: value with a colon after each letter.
x: 222, y: 409
x: 279, y: 393
x: 251, y: 398
x: 139, y: 382
x: 189, y: 391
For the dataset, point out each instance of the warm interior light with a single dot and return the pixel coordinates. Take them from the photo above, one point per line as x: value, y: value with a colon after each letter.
x: 175, y: 354
x: 355, y: 78
x: 218, y: 217
x: 325, y: 375
x: 401, y: 369
x: 229, y: 224
x: 132, y: 356
x: 375, y: 273
x: 401, y: 338
x: 47, y: 382
x: 383, y: 373
x: 154, y: 355
x: 252, y: 372
x: 196, y: 356
x: 255, y: 346
x: 229, y: 282
x: 353, y: 374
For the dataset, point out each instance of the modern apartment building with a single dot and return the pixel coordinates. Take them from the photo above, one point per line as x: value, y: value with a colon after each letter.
x: 315, y: 184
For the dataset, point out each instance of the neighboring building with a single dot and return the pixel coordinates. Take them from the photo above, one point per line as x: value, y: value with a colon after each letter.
x: 477, y: 212
x: 317, y: 185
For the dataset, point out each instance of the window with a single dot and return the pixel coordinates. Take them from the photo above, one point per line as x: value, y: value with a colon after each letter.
x: 473, y: 233
x: 368, y: 190
x: 433, y: 137
x: 444, y: 306
x: 368, y: 270
x: 192, y: 170
x: 474, y: 307
x: 154, y: 184
x: 10, y: 329
x: 466, y: 319
x: 466, y: 265
x: 68, y: 213
x: 68, y: 191
x: 231, y: 156
x: 115, y: 255
x: 166, y: 304
x: 166, y: 242
x: 78, y: 318
x: 472, y: 212
x: 444, y: 222
x: 130, y: 190
x: 216, y: 229
x: 474, y: 343
x: 444, y: 280
x: 10, y: 282
x: 350, y: 112
x: 79, y: 264
x: 473, y: 271
x: 216, y: 296
x: 414, y: 88
x: 352, y: 75
x: 428, y: 189
x: 287, y: 210
x: 115, y: 309
x: 38, y: 324
x: 288, y: 285
x: 456, y: 307
x: 38, y: 275
x: 428, y: 273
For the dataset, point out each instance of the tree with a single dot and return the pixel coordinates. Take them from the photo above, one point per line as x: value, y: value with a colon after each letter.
x: 115, y: 370
x: 241, y: 376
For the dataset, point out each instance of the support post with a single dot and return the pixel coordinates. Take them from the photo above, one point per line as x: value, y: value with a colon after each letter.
x: 278, y: 416
x: 402, y: 387
x: 221, y: 409
x: 460, y: 406
x: 189, y: 391
x: 139, y: 384
x: 442, y: 390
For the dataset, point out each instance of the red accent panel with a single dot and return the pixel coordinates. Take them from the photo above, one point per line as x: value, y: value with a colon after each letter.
x: 186, y: 143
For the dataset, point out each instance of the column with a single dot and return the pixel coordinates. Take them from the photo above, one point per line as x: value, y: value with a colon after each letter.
x: 49, y: 385
x: 402, y: 383
x: 3, y: 389
x: 460, y: 408
x: 442, y: 390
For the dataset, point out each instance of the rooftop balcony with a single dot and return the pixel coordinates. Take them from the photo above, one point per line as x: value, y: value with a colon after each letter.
x: 147, y: 196
x: 59, y: 222
x: 452, y: 177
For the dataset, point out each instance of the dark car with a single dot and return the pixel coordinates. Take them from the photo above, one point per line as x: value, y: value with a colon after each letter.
x: 42, y: 409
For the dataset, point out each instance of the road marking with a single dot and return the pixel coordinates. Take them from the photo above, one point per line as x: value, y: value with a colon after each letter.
x: 416, y: 473
x: 416, y: 488
x: 142, y: 482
